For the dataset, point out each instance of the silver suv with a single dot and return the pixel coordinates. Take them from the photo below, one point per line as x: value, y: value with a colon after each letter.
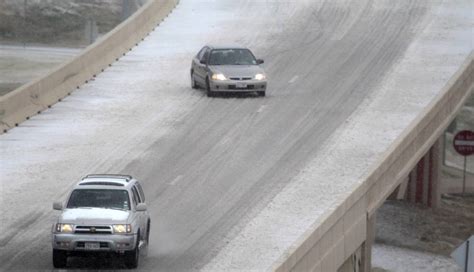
x: 103, y: 213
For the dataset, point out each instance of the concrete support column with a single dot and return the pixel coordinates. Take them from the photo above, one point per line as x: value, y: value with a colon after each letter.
x: 366, y: 258
x: 402, y: 189
x: 424, y: 179
x: 437, y: 162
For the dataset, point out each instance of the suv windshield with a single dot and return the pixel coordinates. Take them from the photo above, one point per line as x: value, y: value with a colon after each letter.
x: 232, y: 57
x: 99, y: 198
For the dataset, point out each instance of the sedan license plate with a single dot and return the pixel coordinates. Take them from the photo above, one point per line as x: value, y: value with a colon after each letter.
x: 241, y: 85
x: 91, y: 246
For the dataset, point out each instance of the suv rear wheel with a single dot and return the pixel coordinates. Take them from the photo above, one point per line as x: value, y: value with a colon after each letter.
x: 59, y: 258
x: 148, y: 233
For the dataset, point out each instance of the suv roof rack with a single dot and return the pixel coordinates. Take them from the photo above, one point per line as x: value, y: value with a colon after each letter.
x: 127, y: 178
x: 101, y: 183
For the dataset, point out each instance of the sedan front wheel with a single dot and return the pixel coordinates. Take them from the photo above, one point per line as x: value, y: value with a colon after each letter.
x: 208, y: 89
x: 193, y: 81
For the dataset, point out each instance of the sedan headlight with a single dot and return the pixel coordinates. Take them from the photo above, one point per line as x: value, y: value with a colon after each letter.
x: 260, y: 77
x: 122, y: 228
x: 218, y: 77
x: 64, y: 228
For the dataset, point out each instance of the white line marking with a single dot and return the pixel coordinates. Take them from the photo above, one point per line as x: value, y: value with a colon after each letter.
x: 262, y: 107
x: 461, y: 142
x: 178, y: 178
x: 293, y: 79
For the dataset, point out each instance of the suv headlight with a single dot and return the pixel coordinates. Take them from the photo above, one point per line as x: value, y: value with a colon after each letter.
x: 260, y: 77
x: 218, y: 77
x: 122, y: 228
x: 64, y: 228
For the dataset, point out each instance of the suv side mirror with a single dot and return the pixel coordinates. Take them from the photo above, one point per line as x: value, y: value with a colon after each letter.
x: 58, y: 206
x: 203, y: 61
x: 260, y: 61
x: 141, y: 207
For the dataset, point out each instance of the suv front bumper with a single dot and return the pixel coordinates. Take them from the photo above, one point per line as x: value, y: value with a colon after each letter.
x: 94, y: 242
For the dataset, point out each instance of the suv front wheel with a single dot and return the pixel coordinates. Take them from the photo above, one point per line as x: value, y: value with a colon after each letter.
x: 59, y: 258
x: 131, y: 257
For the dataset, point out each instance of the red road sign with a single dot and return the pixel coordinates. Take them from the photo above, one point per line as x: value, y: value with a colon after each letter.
x: 464, y: 142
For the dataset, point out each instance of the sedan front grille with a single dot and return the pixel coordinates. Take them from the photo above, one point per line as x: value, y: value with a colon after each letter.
x: 240, y: 78
x: 93, y: 230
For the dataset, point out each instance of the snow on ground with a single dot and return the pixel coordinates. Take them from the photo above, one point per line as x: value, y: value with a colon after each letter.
x: 69, y: 140
x: 440, y: 231
x: 19, y: 65
x: 395, y: 259
x: 53, y: 150
x: 342, y: 165
x: 110, y: 121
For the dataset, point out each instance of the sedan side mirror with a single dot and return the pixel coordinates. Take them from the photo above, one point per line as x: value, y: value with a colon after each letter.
x: 260, y: 61
x: 141, y: 207
x: 58, y: 206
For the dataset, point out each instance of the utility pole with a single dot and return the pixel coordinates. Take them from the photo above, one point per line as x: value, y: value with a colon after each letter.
x: 125, y: 9
x: 91, y: 31
x: 24, y: 23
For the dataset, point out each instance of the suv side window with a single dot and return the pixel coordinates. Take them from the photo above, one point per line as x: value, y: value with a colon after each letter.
x: 140, y: 191
x: 136, y: 195
x: 134, y: 198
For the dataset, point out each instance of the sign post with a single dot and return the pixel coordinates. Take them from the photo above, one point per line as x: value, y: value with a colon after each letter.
x: 463, y: 255
x: 464, y: 144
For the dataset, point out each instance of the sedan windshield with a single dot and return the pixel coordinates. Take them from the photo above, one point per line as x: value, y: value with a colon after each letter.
x: 232, y: 57
x: 99, y: 198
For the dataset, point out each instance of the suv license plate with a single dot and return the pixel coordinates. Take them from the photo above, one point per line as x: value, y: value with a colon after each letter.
x: 91, y: 245
x: 241, y: 85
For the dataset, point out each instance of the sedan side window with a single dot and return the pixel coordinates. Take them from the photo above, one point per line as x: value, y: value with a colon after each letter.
x: 205, y: 56
x: 201, y: 53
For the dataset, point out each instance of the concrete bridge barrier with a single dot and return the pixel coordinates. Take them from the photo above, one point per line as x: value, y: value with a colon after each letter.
x: 34, y: 97
x: 342, y: 242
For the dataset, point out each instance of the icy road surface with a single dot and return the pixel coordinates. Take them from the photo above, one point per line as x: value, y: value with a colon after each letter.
x: 208, y: 165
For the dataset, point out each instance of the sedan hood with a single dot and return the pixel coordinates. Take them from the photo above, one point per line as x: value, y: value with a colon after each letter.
x: 88, y: 216
x: 237, y: 70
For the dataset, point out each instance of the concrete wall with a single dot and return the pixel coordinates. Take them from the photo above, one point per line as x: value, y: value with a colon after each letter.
x: 32, y: 98
x: 327, y: 246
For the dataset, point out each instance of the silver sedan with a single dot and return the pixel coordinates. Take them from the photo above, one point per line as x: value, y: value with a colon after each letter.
x: 227, y: 69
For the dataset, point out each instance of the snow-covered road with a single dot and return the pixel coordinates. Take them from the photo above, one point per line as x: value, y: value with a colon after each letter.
x: 208, y: 165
